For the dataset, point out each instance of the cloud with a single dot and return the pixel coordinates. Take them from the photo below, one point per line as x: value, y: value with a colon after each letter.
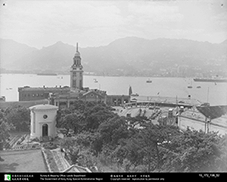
x: 58, y: 16
x: 156, y: 12
x: 42, y: 23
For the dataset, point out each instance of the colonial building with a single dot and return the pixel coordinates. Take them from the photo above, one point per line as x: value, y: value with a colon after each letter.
x: 43, y: 121
x: 27, y: 93
x: 66, y: 100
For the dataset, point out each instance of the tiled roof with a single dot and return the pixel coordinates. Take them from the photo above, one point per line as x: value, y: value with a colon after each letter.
x: 44, y: 88
x: 94, y: 92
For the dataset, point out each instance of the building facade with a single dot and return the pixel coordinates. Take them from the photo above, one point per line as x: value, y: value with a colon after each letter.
x: 43, y: 121
x: 66, y: 100
x: 27, y: 93
x: 117, y: 100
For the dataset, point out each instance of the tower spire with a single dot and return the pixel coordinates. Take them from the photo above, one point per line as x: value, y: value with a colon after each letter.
x: 77, y: 47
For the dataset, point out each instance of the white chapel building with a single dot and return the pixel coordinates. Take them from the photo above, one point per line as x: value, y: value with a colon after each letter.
x: 43, y: 121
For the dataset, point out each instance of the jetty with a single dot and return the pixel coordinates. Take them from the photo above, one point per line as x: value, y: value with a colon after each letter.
x: 162, y: 101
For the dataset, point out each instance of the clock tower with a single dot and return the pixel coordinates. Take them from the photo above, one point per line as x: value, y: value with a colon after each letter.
x: 76, y: 72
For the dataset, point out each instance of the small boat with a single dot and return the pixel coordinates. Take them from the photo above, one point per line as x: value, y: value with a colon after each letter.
x: 198, y: 86
x: 135, y: 95
x: 149, y: 81
x: 189, y: 86
x: 46, y: 74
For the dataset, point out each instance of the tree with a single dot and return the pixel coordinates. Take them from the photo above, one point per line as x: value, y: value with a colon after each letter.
x: 4, y: 130
x: 72, y: 150
x: 221, y: 162
x: 113, y: 130
x: 19, y: 117
x: 72, y: 121
x: 193, y: 151
x: 143, y: 147
x: 96, y: 115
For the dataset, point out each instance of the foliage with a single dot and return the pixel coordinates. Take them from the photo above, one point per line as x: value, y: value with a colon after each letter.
x: 84, y: 116
x: 19, y: 117
x: 72, y: 121
x: 50, y: 145
x: 4, y: 129
x: 69, y: 144
x: 113, y: 130
x: 193, y: 151
x: 96, y: 115
x: 135, y: 144
x: 221, y: 162
x: 143, y: 146
x: 86, y: 159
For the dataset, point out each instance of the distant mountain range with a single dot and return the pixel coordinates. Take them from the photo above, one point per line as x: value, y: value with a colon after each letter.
x: 125, y: 56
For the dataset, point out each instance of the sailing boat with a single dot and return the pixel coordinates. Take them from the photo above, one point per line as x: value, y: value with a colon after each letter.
x: 190, y: 86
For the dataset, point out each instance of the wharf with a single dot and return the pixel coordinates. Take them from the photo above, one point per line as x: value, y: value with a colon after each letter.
x: 163, y: 101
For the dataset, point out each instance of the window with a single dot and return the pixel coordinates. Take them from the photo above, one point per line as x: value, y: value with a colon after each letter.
x: 45, y: 116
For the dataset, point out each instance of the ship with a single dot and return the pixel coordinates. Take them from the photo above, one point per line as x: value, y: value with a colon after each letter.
x: 210, y: 80
x: 47, y: 74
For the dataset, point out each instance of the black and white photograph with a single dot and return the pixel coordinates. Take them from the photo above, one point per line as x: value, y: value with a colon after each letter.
x: 130, y: 88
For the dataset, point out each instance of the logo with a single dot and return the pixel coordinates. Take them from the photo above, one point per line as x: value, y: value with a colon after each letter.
x: 7, y: 177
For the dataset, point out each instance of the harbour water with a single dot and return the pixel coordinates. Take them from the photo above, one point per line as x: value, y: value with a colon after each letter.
x: 214, y: 93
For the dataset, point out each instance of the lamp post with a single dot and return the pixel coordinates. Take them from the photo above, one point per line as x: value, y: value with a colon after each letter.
x: 208, y: 89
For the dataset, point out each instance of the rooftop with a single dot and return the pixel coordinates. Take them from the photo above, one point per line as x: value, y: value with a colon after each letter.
x: 213, y: 112
x: 43, y: 107
x: 27, y: 88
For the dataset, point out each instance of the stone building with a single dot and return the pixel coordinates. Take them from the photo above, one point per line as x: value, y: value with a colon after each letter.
x: 43, y: 121
x: 27, y: 93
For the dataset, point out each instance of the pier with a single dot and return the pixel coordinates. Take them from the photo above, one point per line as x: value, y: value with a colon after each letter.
x: 150, y: 101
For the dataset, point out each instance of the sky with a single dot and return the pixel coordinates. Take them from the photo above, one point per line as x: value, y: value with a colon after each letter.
x: 96, y: 23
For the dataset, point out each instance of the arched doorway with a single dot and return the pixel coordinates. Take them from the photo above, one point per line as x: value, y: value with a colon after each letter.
x: 45, y: 130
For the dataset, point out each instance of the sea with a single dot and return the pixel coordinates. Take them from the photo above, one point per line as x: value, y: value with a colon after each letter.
x: 213, y: 93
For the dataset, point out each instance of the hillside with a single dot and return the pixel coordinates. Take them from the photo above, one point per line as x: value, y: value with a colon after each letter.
x: 126, y: 56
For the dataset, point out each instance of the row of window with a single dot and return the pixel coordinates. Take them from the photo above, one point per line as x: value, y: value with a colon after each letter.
x: 33, y: 95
